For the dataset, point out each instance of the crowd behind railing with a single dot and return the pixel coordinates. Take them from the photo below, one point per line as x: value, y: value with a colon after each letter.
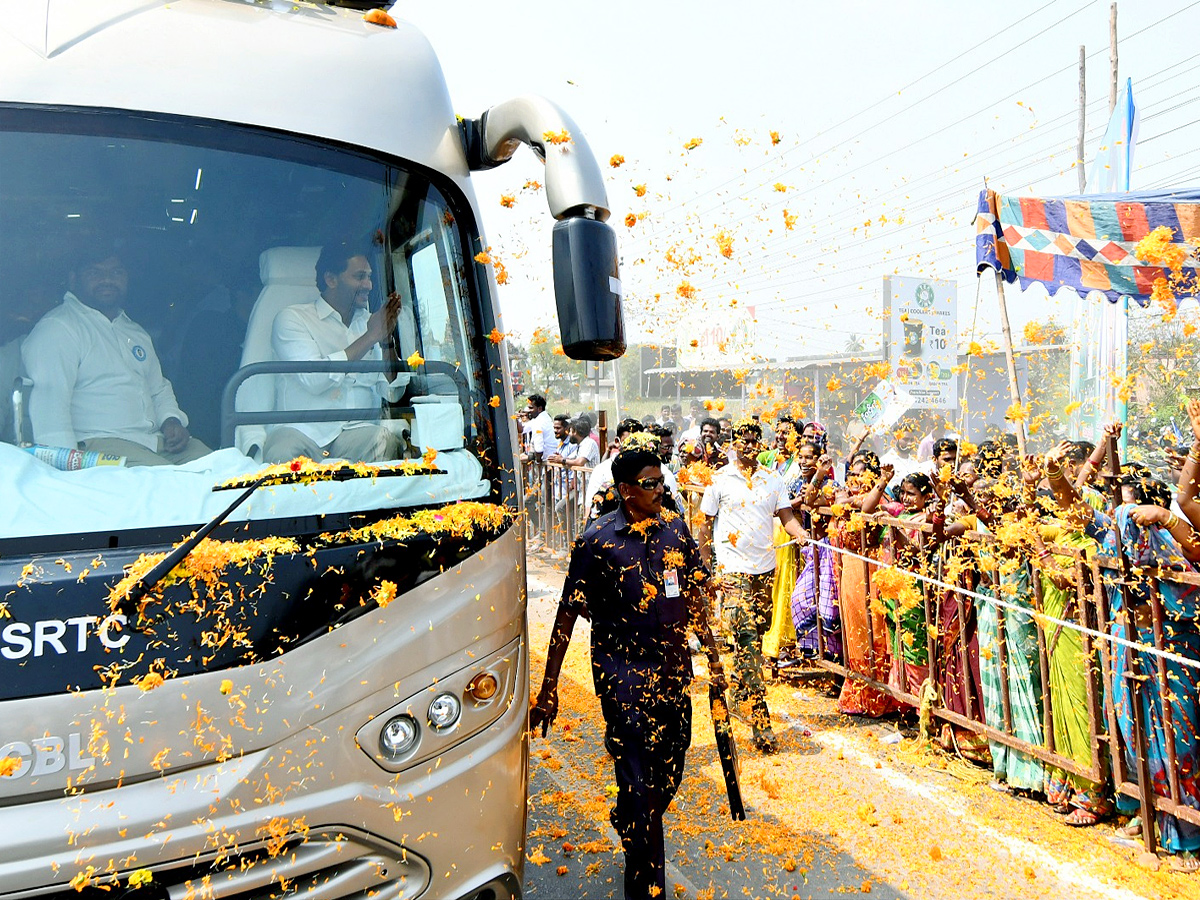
x: 1040, y: 615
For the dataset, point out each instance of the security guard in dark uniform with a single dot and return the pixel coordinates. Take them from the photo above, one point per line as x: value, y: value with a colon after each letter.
x: 636, y: 573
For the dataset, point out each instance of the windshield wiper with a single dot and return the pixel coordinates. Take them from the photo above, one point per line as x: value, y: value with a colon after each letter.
x: 128, y: 604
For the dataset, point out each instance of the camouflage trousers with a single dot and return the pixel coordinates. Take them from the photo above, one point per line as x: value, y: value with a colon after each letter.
x: 746, y: 612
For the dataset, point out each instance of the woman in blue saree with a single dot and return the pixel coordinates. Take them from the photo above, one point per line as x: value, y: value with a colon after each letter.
x: 1146, y: 536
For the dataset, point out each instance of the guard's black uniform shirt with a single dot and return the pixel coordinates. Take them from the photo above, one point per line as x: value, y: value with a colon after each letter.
x: 616, y: 579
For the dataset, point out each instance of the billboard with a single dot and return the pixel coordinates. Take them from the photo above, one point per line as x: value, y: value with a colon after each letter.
x: 718, y: 342
x: 920, y: 332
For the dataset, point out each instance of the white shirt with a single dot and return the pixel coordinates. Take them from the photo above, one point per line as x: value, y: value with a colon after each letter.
x: 601, y: 478
x: 903, y: 466
x: 745, y: 528
x: 588, y: 449
x: 315, y: 331
x: 541, y: 435
x: 95, y: 377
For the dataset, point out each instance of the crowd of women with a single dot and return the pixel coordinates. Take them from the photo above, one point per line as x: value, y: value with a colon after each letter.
x: 964, y: 584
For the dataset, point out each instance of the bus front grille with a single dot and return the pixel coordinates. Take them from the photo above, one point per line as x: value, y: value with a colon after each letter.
x: 330, y: 866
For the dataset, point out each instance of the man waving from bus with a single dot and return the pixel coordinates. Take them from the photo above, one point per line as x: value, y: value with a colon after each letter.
x: 337, y: 325
x: 636, y: 573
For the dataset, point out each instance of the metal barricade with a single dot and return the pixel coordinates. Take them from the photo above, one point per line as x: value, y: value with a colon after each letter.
x: 949, y: 598
x: 1159, y: 686
x: 1133, y: 654
x: 556, y: 503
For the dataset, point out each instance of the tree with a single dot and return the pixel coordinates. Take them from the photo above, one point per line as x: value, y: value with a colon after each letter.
x: 551, y: 372
x: 854, y: 344
x: 1164, y: 367
x: 1047, y: 384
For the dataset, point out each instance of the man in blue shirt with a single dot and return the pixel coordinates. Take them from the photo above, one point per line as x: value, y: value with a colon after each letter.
x: 636, y: 574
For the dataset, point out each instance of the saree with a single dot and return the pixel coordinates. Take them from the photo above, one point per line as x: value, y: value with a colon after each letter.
x: 1020, y: 674
x: 956, y: 668
x: 1146, y: 546
x: 864, y: 632
x: 782, y: 633
x: 816, y: 596
x: 1068, y: 668
x: 908, y: 637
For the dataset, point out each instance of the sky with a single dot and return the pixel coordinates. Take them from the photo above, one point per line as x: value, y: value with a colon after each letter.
x: 888, y: 118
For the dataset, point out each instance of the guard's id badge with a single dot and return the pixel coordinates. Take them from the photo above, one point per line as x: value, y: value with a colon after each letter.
x: 671, y: 582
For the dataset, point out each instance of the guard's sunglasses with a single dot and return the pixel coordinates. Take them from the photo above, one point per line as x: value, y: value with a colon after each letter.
x: 650, y: 484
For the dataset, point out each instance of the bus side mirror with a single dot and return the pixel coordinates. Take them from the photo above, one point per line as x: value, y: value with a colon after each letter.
x: 587, y: 286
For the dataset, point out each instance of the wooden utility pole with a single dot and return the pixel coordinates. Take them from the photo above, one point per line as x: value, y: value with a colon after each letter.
x: 1082, y: 117
x: 1112, y: 58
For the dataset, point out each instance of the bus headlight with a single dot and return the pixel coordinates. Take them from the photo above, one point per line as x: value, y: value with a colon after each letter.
x: 399, y: 736
x: 444, y: 711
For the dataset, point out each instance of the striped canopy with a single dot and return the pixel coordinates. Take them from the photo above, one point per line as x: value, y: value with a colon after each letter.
x: 1085, y: 243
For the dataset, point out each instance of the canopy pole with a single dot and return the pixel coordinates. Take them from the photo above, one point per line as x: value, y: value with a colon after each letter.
x: 1014, y: 391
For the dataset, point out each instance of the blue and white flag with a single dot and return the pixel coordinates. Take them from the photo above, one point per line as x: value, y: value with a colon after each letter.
x: 1114, y: 160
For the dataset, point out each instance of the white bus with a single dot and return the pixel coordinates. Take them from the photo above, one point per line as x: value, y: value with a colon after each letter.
x: 327, y: 696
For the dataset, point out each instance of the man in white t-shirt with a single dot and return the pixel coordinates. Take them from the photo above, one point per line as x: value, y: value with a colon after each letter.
x: 902, y: 457
x: 744, y: 499
x: 541, y: 428
x: 579, y: 452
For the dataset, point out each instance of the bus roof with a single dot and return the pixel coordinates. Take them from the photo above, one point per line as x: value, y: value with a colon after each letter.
x: 297, y: 66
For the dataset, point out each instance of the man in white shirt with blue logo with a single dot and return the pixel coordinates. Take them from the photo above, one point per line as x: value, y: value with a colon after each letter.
x: 97, y: 382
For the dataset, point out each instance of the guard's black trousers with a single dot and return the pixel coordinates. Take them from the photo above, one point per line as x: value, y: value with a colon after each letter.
x: 648, y: 727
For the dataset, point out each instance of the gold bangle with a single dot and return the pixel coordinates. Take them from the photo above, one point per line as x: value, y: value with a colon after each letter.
x: 1172, y: 520
x: 1053, y: 473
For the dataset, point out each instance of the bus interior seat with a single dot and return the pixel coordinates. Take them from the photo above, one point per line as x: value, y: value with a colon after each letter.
x: 288, y: 276
x: 438, y: 422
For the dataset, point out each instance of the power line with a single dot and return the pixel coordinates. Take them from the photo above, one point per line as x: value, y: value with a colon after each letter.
x: 956, y: 250
x: 892, y: 233
x: 916, y: 103
x: 939, y: 131
x: 1169, y: 131
x: 754, y: 280
x: 1069, y: 116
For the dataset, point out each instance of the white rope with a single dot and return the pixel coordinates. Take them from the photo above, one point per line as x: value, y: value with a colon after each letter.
x: 1023, y: 610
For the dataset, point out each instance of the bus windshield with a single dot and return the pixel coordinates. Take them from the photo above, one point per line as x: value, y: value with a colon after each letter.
x: 165, y: 331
